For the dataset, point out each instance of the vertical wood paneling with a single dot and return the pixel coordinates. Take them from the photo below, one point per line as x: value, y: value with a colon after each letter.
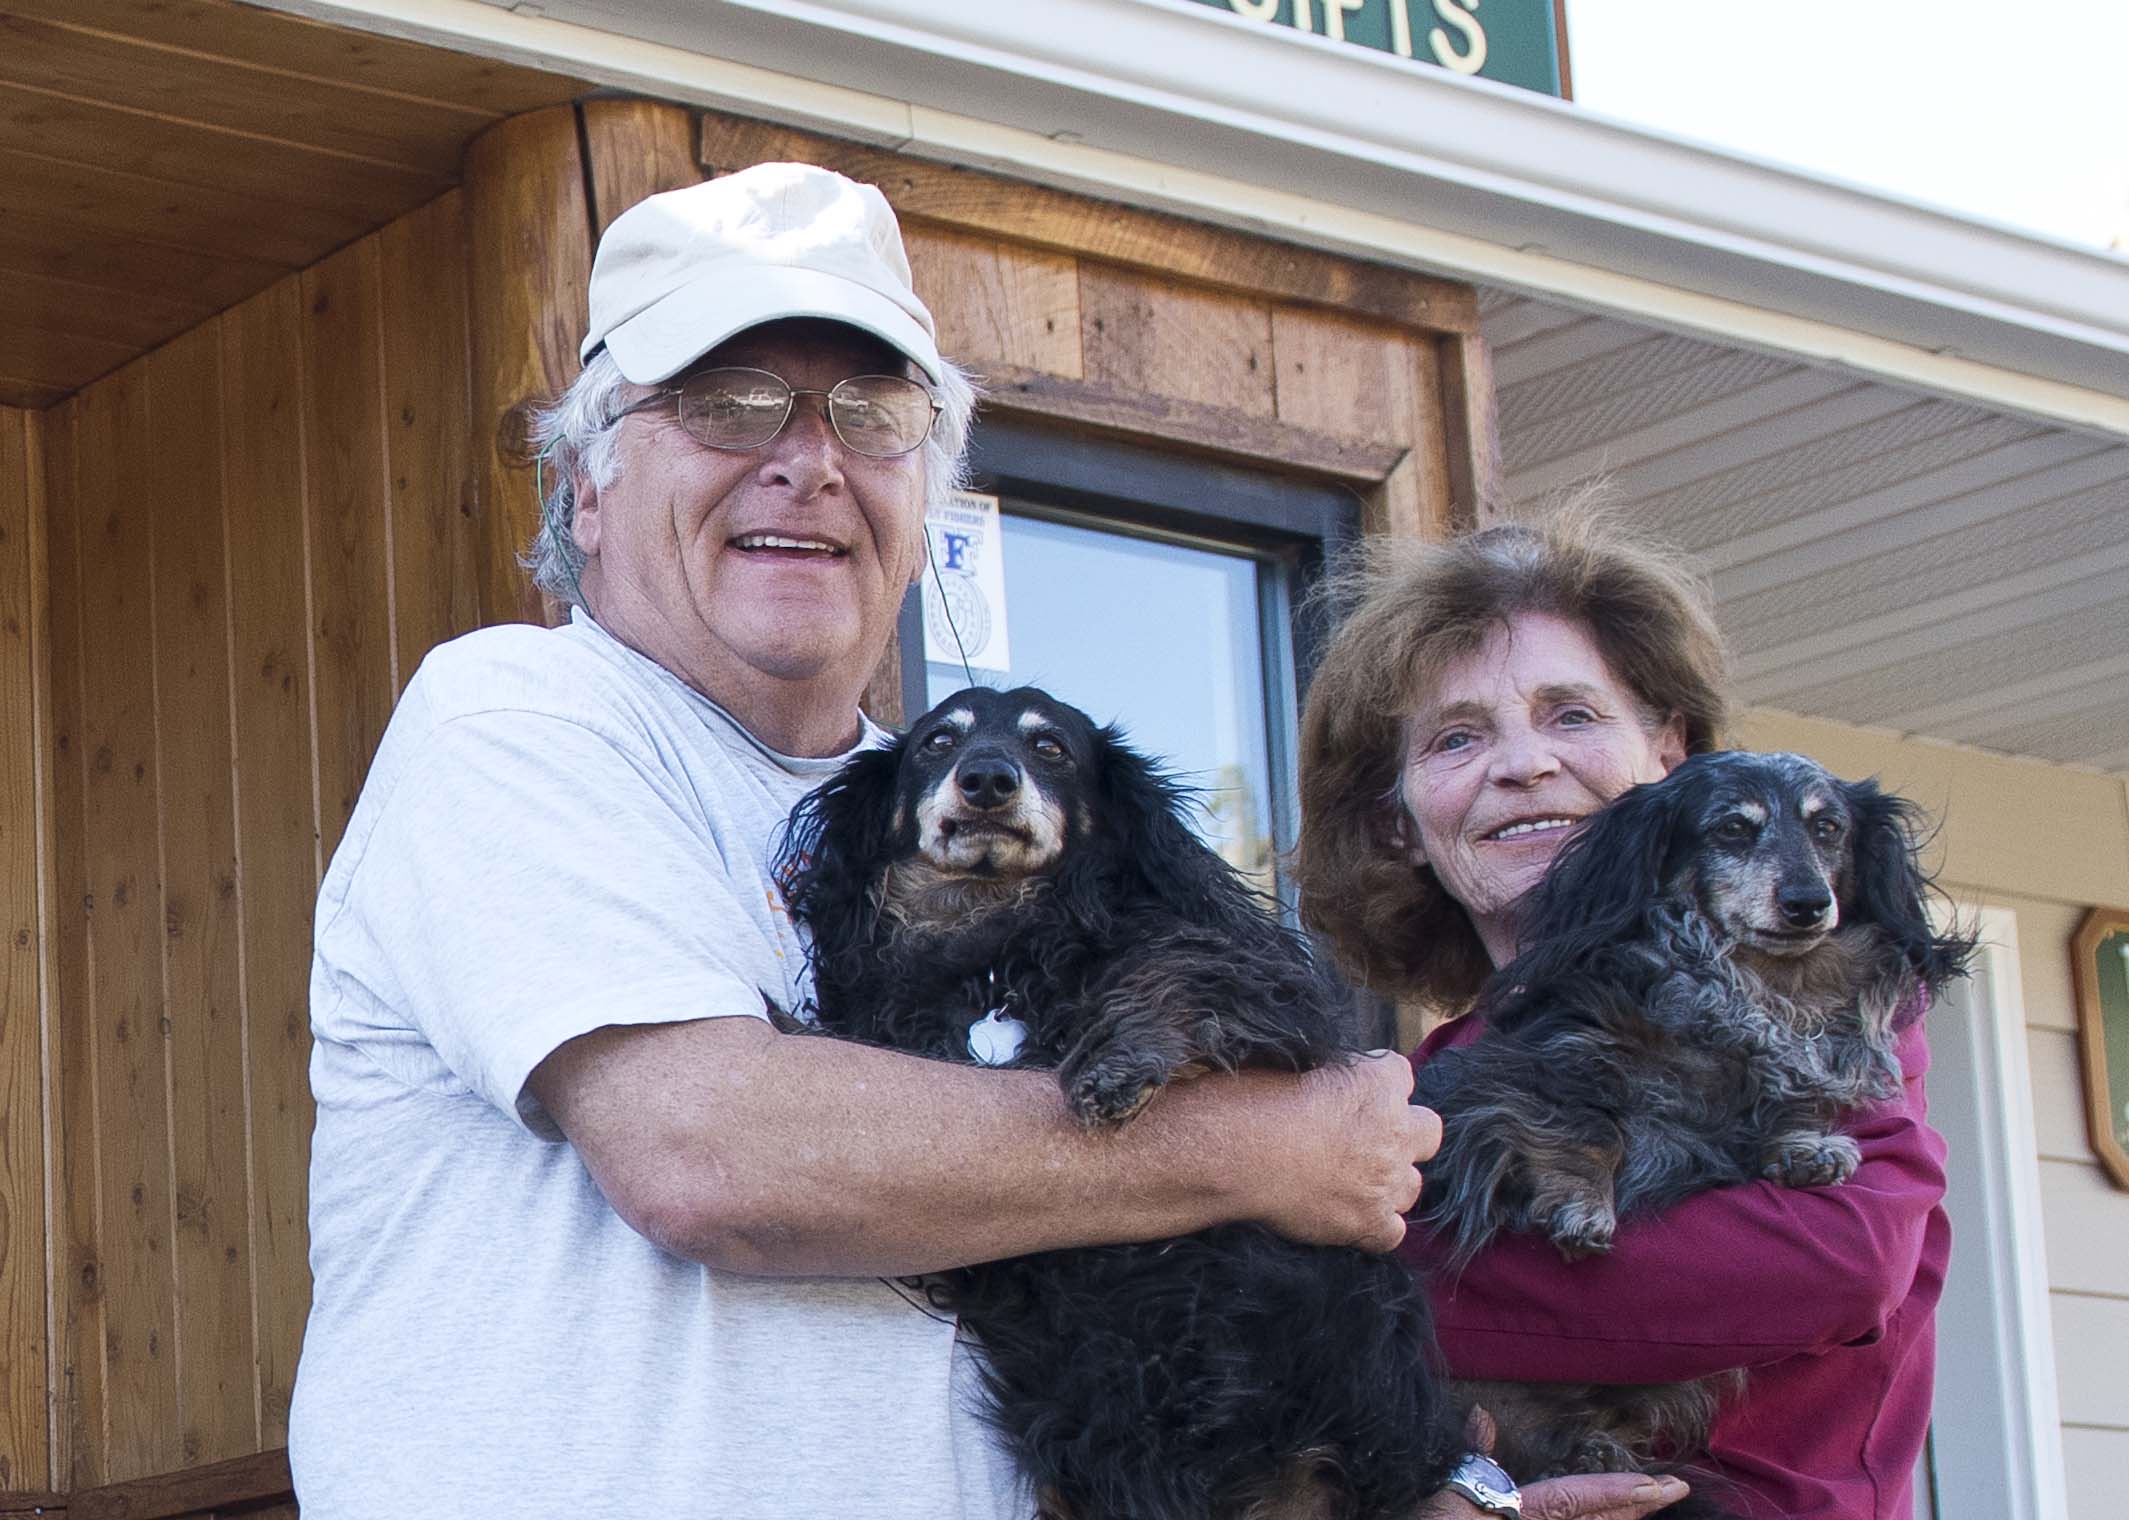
x: 995, y: 303
x: 79, y: 1344
x: 435, y: 539
x: 1175, y: 340
x: 345, y: 507
x: 278, y: 858
x: 238, y: 524
x: 113, y: 449
x: 24, y: 1437
x: 211, y: 1234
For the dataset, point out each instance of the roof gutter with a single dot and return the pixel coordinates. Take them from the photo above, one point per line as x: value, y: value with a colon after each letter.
x: 1182, y: 107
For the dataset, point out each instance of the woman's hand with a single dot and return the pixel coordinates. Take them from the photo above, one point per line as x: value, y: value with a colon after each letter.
x: 1581, y: 1496
x: 1585, y: 1496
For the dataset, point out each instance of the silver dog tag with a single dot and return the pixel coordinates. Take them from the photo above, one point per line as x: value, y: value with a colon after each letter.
x: 996, y: 1038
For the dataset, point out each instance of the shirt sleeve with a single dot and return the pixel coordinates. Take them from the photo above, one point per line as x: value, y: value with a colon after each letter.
x: 529, y: 880
x: 1728, y: 1278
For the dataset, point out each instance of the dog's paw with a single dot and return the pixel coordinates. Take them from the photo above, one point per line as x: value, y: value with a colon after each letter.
x: 1812, y: 1161
x: 1113, y: 1089
x: 1581, y: 1228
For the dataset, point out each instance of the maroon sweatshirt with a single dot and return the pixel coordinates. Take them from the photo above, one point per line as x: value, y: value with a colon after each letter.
x: 1828, y: 1295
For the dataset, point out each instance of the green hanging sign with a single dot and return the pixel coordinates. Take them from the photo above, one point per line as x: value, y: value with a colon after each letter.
x: 1514, y: 41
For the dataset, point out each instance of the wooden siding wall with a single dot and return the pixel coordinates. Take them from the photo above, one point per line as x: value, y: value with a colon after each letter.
x: 1187, y: 335
x: 2046, y: 842
x: 248, y: 538
x: 255, y: 532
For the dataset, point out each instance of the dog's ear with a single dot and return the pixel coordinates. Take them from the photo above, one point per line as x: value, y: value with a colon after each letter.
x: 1888, y: 887
x: 1601, y: 885
x: 1142, y: 835
x: 837, y: 843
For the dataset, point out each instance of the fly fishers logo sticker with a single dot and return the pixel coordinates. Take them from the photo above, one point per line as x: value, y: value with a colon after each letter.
x: 964, y: 588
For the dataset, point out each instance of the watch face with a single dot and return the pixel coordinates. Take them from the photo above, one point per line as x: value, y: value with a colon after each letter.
x: 1483, y: 1469
x: 1486, y: 1483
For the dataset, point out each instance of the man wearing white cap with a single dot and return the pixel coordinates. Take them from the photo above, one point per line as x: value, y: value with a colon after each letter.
x: 589, y: 1236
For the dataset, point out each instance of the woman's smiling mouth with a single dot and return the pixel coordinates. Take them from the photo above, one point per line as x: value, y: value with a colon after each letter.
x: 1524, y: 827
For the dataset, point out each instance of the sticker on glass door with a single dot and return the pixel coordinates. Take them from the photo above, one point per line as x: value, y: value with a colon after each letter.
x: 964, y: 589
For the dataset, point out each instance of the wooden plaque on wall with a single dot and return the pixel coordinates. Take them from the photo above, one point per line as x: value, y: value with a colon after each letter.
x: 2099, y: 958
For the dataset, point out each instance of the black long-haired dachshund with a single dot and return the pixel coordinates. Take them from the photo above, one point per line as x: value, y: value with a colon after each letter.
x: 1009, y: 883
x: 1717, y: 971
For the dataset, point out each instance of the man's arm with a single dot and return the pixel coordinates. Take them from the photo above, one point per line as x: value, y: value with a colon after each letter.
x: 753, y: 1151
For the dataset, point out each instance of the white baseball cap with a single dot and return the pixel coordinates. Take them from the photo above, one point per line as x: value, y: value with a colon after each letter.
x: 679, y: 273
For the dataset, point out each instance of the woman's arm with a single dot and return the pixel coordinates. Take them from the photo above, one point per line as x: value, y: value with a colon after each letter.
x: 1731, y: 1277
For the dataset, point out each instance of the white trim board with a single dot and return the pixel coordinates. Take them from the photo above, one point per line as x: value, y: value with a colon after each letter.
x: 1996, y: 1432
x: 1144, y: 101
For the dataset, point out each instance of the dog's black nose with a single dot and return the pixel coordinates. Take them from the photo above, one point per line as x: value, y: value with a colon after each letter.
x: 1805, y: 907
x: 988, y: 781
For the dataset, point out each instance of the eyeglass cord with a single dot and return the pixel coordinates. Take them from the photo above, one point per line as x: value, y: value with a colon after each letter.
x: 946, y: 606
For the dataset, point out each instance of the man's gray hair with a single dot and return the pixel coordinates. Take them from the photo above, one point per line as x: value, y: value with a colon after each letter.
x: 578, y: 433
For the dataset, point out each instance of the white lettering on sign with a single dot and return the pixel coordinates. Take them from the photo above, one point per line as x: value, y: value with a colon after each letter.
x: 1455, y: 13
x: 1465, y: 52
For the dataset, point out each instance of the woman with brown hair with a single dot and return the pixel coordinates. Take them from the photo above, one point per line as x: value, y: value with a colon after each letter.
x: 1482, y: 697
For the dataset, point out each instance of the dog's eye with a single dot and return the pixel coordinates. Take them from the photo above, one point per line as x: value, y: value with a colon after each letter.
x: 1735, y: 830
x: 1826, y: 830
x: 1047, y: 746
x: 939, y: 741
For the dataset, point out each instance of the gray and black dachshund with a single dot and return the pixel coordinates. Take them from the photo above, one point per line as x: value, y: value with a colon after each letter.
x: 1012, y: 884
x: 1717, y: 971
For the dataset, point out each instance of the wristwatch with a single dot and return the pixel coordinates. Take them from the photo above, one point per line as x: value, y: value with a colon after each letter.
x: 1486, y: 1483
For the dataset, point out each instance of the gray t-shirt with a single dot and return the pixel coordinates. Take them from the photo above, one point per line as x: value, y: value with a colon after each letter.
x: 558, y: 835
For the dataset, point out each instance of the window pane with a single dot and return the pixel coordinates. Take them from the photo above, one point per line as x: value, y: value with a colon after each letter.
x: 1160, y: 637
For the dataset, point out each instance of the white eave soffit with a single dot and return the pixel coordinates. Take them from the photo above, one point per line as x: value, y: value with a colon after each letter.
x: 1178, y: 105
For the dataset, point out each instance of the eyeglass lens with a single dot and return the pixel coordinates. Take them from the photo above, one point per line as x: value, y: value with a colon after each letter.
x: 878, y: 415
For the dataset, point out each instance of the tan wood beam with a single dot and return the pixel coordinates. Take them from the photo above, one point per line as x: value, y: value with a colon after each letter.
x: 1471, y: 416
x: 217, y: 1488
x: 638, y: 148
x: 528, y: 256
x: 534, y: 207
x: 1222, y: 431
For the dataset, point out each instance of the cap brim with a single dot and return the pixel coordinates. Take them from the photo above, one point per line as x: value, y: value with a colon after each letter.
x: 672, y: 333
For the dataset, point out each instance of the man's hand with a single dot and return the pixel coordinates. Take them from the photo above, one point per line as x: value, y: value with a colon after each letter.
x: 1340, y: 1152
x: 1586, y: 1496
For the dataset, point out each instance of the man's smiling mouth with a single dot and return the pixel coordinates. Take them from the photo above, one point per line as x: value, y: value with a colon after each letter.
x: 754, y: 542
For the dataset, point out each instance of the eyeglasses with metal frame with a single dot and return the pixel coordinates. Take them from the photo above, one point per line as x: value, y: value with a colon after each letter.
x: 736, y: 409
